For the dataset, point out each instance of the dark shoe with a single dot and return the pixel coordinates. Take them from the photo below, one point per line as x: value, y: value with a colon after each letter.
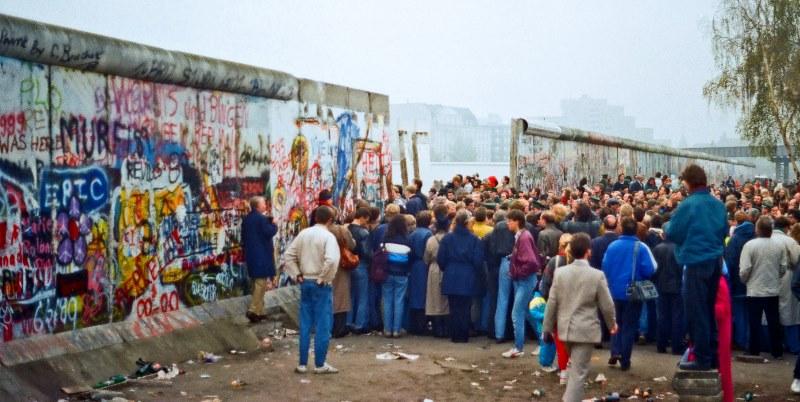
x: 253, y: 317
x: 624, y: 367
x: 661, y: 350
x: 614, y: 360
x: 693, y: 366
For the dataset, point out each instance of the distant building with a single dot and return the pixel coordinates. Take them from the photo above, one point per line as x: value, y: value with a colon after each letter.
x: 598, y: 115
x: 455, y: 134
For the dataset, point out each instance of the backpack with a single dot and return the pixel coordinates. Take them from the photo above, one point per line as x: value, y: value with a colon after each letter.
x: 379, y: 269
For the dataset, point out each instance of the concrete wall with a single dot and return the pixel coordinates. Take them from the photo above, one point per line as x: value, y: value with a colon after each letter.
x: 122, y: 189
x: 550, y: 158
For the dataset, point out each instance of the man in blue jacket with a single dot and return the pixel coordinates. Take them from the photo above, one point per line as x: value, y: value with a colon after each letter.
x: 698, y: 227
x: 618, y: 266
x: 257, y: 233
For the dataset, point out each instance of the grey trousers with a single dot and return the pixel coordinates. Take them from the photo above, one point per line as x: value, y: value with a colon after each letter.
x: 580, y: 355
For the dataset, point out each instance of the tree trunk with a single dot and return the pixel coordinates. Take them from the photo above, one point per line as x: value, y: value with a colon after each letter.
x: 790, y: 154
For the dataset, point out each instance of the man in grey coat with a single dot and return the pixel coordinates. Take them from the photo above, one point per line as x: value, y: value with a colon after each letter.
x: 578, y: 291
x: 763, y: 263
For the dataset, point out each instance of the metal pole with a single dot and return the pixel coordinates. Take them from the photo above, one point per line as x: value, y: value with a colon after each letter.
x: 401, y: 135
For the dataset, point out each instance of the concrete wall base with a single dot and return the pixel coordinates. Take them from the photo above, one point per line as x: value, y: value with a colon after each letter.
x: 33, y: 370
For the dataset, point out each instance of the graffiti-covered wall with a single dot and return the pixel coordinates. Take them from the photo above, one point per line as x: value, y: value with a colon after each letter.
x: 550, y: 159
x: 122, y: 198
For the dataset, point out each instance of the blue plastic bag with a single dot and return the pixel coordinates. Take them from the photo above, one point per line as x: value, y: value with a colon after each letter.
x: 536, y: 308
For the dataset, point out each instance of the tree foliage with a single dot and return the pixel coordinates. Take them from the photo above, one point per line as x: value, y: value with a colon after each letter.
x: 756, y: 46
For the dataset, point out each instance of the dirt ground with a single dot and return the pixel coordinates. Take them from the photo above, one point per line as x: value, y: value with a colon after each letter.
x: 477, y: 372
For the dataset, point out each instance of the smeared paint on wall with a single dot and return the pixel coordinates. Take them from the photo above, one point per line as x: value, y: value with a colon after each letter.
x: 122, y: 199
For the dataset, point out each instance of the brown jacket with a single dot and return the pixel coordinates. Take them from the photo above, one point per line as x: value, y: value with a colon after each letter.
x: 341, y: 282
x: 577, y: 292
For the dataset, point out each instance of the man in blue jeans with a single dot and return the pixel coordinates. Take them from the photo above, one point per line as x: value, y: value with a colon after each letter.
x: 625, y: 257
x: 525, y: 263
x: 312, y: 260
x: 698, y: 227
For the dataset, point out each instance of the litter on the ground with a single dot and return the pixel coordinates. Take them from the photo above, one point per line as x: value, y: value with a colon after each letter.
x: 475, y: 384
x: 205, y: 376
x: 237, y: 383
x: 660, y: 379
x: 208, y: 357
x: 507, y: 388
x: 396, y: 356
x: 387, y: 356
x: 305, y: 381
x: 184, y: 393
x: 483, y: 371
x: 169, y: 374
x: 449, y: 359
x: 600, y: 378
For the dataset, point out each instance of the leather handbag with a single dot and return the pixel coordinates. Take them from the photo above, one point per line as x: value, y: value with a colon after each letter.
x: 348, y: 260
x: 643, y: 290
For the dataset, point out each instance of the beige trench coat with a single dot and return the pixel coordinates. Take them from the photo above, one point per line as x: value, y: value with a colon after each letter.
x: 435, y: 301
x: 341, y: 282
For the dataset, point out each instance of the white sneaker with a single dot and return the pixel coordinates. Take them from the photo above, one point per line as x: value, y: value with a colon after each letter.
x: 301, y: 369
x: 512, y: 353
x: 536, y: 351
x: 550, y: 369
x: 563, y: 376
x: 326, y: 369
x: 795, y: 386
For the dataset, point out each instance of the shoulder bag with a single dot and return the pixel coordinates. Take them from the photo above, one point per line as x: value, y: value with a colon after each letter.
x: 643, y: 290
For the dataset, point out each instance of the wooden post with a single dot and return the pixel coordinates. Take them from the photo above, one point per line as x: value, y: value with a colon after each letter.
x: 401, y: 134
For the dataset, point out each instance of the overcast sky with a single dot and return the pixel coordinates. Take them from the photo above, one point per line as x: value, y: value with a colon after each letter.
x: 512, y: 58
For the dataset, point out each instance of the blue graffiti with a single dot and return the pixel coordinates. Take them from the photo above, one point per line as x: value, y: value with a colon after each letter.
x: 89, y: 185
x: 348, y: 132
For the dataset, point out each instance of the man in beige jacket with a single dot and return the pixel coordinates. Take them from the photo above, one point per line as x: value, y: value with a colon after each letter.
x: 312, y: 260
x: 577, y: 292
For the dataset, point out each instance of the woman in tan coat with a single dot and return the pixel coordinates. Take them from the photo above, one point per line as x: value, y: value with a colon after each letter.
x: 341, y: 283
x: 436, y: 306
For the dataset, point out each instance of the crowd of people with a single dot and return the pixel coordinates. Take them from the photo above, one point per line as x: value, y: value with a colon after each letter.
x: 627, y: 262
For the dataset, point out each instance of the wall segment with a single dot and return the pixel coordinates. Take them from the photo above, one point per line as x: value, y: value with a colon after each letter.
x: 554, y: 157
x: 123, y: 185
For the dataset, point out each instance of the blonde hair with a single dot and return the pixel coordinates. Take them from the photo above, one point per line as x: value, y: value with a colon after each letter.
x: 564, y: 240
x: 560, y: 211
x: 626, y: 210
x: 391, y: 211
x: 411, y: 222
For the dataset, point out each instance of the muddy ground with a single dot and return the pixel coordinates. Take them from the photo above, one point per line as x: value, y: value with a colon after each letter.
x: 475, y: 372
